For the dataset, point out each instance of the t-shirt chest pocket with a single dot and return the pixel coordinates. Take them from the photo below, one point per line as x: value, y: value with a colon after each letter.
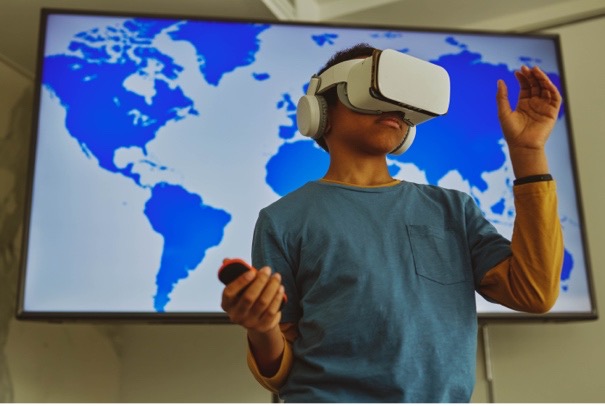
x: 439, y: 254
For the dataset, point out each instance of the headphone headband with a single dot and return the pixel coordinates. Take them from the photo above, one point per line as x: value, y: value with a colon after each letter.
x: 332, y: 76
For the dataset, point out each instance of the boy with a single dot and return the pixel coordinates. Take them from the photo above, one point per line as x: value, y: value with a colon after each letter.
x: 381, y: 274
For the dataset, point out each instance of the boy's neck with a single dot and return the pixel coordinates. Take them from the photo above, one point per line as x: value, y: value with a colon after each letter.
x: 370, y: 172
x: 392, y: 182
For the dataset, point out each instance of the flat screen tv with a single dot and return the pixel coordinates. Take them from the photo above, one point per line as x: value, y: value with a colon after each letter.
x: 158, y: 139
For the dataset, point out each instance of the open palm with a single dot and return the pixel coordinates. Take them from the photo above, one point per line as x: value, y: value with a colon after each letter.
x: 530, y: 124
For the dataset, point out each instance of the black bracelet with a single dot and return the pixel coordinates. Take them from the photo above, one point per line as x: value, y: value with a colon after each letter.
x: 533, y: 178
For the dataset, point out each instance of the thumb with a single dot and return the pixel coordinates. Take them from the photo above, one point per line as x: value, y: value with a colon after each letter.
x: 504, y: 108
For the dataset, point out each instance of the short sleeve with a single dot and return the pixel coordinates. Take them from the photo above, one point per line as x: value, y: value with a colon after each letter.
x: 270, y: 249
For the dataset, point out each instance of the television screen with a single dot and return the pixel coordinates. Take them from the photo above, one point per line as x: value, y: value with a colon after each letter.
x: 158, y: 140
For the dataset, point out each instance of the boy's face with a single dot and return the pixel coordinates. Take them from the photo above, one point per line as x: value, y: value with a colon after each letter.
x: 363, y: 133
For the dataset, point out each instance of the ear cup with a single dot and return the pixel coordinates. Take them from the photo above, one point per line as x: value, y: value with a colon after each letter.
x: 406, y: 143
x: 312, y: 116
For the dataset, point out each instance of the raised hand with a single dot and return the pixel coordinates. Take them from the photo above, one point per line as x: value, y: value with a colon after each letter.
x: 527, y: 128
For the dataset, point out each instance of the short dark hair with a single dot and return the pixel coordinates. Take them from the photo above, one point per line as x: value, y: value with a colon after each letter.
x: 361, y: 50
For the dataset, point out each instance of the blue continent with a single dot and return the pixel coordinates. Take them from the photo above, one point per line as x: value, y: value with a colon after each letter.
x: 498, y: 208
x: 568, y: 263
x: 221, y: 47
x: 324, y: 39
x: 147, y: 28
x: 288, y: 131
x: 189, y: 229
x: 115, y: 117
x: 442, y: 146
x: 261, y: 76
x: 295, y: 164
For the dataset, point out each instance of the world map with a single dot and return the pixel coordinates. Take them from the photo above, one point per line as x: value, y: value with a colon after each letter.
x: 199, y: 118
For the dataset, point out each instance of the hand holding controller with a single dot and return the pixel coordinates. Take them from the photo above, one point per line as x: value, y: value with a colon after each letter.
x: 233, y: 268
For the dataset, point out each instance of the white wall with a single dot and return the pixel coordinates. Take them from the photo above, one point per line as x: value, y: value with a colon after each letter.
x: 62, y: 363
x: 197, y: 363
x: 205, y: 363
x: 12, y: 87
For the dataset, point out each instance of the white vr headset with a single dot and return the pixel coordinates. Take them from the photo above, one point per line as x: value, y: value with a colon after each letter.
x: 384, y: 82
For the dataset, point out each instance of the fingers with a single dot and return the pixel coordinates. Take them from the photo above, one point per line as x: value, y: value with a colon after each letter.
x: 524, y: 83
x: 232, y: 290
x: 267, y: 309
x: 276, y: 302
x: 254, y: 303
x: 547, y: 87
x: 502, y: 99
x: 242, y: 281
x: 535, y: 83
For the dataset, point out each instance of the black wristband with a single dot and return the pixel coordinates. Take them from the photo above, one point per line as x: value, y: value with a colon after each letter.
x: 533, y: 178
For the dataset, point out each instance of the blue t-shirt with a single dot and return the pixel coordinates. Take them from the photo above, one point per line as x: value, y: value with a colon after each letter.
x: 381, y: 282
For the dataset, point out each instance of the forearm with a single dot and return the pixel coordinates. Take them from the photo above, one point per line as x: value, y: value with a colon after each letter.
x: 275, y: 365
x: 267, y: 349
x: 529, y: 279
x: 528, y: 161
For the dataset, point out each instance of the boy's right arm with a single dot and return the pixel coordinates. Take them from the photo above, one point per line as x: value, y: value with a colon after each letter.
x: 280, y: 371
x: 253, y: 301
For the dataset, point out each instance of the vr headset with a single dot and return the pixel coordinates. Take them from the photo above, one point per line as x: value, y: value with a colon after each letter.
x: 387, y: 81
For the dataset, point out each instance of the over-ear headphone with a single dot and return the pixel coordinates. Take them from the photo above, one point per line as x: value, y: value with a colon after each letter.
x: 312, y: 115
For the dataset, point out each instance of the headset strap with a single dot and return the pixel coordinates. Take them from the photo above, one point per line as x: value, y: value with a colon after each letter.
x: 336, y: 74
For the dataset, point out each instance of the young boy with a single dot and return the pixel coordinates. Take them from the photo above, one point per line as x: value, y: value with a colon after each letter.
x: 381, y: 274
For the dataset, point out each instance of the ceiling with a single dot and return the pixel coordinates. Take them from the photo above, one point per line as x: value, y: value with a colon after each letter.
x: 19, y: 18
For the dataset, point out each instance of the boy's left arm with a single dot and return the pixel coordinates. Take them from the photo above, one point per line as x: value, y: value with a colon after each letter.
x: 529, y: 280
